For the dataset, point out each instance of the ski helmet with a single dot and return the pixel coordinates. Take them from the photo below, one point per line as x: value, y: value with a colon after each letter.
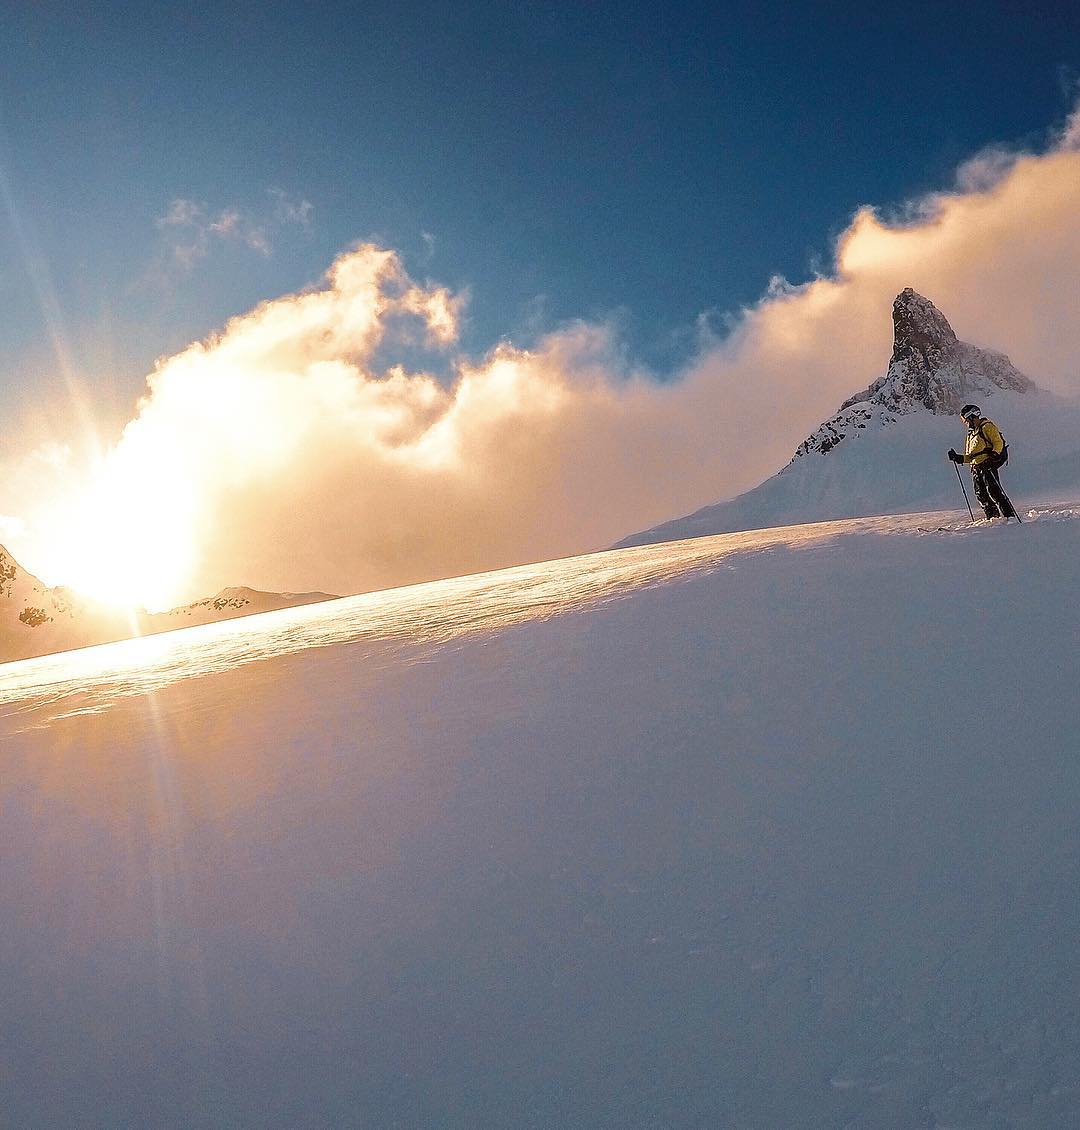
x: 970, y: 411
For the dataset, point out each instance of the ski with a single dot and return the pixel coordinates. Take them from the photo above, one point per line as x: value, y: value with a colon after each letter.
x: 961, y: 529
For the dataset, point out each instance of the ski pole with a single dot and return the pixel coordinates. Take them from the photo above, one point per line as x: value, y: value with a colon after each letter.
x: 1015, y: 512
x: 964, y: 489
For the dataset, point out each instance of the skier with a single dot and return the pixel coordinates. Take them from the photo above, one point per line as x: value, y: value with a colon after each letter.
x: 986, y: 452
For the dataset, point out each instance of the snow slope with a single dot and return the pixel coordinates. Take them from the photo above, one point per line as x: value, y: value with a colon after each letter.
x: 772, y: 829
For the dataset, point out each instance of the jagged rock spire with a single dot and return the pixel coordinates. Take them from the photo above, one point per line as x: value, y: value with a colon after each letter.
x: 931, y: 369
x: 921, y: 333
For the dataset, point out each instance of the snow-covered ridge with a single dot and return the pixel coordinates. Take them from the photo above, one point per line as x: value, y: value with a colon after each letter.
x: 236, y: 600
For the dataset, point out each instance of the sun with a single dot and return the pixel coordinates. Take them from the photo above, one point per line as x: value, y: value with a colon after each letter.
x: 129, y: 566
x: 125, y: 539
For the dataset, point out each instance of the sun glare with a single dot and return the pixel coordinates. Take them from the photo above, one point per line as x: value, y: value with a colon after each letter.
x: 125, y: 539
x: 125, y: 566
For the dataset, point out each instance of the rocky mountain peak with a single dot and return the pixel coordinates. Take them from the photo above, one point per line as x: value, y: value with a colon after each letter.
x: 931, y: 370
x: 921, y: 333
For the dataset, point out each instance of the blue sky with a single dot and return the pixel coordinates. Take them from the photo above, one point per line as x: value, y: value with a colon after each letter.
x: 643, y: 161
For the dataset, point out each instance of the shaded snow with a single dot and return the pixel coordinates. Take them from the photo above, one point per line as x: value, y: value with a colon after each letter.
x: 765, y: 830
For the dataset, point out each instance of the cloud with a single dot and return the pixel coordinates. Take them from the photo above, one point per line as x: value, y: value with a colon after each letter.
x: 289, y: 211
x: 191, y: 229
x: 286, y: 452
x: 182, y: 213
x: 1070, y: 137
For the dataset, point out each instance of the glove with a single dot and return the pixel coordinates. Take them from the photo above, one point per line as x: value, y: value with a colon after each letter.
x: 955, y: 457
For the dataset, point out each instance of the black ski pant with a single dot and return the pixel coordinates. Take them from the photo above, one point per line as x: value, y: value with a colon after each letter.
x: 994, y: 501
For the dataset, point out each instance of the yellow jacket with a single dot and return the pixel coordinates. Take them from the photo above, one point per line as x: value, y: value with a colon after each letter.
x: 983, y: 442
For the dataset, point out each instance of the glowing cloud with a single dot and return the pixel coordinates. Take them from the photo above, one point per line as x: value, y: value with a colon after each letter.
x: 281, y: 453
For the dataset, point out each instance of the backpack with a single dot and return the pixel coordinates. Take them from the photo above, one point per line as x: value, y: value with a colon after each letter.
x: 996, y: 461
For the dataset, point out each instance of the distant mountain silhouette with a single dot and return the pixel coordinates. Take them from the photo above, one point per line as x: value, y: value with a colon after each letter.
x: 38, y: 620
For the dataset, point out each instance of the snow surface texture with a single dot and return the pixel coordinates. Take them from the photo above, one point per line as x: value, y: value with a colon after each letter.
x: 885, y: 449
x: 775, y: 829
